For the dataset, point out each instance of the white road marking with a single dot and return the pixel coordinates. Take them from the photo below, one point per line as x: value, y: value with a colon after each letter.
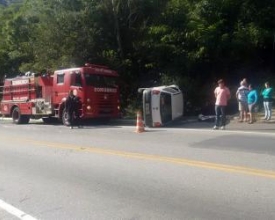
x: 15, y: 212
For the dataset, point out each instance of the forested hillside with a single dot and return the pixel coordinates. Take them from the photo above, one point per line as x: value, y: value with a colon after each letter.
x: 188, y: 42
x: 8, y: 2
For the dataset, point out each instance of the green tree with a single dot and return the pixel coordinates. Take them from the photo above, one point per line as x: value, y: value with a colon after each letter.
x: 188, y: 42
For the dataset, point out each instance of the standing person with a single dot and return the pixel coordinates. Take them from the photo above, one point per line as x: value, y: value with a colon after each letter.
x: 252, y: 99
x: 267, y: 97
x: 241, y: 96
x: 77, y: 120
x: 71, y: 107
x: 222, y: 94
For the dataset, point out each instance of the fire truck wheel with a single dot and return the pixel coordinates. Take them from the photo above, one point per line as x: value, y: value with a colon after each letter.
x: 18, y: 118
x: 65, y: 118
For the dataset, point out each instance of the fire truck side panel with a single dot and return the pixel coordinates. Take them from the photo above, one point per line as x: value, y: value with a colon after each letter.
x: 25, y: 108
x: 47, y: 87
x: 17, y: 93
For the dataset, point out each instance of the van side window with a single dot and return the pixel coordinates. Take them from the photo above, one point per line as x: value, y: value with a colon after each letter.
x: 60, y: 78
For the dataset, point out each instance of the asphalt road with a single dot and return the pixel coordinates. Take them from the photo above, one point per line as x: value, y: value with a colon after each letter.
x: 110, y: 172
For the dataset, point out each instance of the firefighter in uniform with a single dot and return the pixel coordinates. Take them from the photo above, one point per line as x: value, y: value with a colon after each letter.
x: 72, y: 109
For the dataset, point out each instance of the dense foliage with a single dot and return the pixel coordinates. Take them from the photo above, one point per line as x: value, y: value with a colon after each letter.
x: 188, y: 42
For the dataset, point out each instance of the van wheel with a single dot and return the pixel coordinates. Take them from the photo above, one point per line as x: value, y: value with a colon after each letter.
x: 65, y: 118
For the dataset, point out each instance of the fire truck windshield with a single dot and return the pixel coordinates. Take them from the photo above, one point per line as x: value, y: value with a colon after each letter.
x: 100, y: 80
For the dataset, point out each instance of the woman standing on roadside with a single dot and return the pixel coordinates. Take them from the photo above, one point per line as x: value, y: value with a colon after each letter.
x: 267, y: 97
x: 252, y: 99
x: 222, y: 94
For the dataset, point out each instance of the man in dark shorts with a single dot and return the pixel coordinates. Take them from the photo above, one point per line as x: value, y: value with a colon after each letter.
x: 241, y: 96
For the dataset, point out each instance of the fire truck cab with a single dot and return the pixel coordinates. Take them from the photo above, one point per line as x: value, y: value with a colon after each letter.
x: 44, y: 96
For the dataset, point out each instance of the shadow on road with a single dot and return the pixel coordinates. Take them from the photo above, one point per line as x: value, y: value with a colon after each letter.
x: 183, y: 123
x: 244, y: 144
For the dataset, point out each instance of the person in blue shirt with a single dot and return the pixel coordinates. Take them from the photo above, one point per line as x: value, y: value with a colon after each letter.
x: 252, y: 99
x: 267, y: 97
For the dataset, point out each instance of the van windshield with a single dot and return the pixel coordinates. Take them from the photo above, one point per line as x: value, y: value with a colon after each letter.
x: 100, y: 80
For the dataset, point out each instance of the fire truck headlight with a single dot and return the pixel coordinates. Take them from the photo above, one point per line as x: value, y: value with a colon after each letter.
x: 88, y: 100
x: 118, y: 107
x: 89, y: 107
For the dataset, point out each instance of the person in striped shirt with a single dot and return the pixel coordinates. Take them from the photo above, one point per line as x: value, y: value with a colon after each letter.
x: 241, y: 96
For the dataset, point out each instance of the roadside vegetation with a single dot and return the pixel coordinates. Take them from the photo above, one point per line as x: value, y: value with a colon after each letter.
x: 191, y: 43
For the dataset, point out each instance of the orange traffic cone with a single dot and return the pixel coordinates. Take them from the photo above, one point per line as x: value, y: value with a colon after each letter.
x: 140, y: 125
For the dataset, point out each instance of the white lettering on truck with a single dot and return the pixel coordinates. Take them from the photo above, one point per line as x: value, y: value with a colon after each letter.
x: 109, y: 90
x: 20, y: 82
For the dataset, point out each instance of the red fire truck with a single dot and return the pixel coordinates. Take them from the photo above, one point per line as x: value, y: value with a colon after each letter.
x: 43, y: 96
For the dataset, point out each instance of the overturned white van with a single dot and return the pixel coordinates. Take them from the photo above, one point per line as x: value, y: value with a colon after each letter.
x: 161, y: 105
